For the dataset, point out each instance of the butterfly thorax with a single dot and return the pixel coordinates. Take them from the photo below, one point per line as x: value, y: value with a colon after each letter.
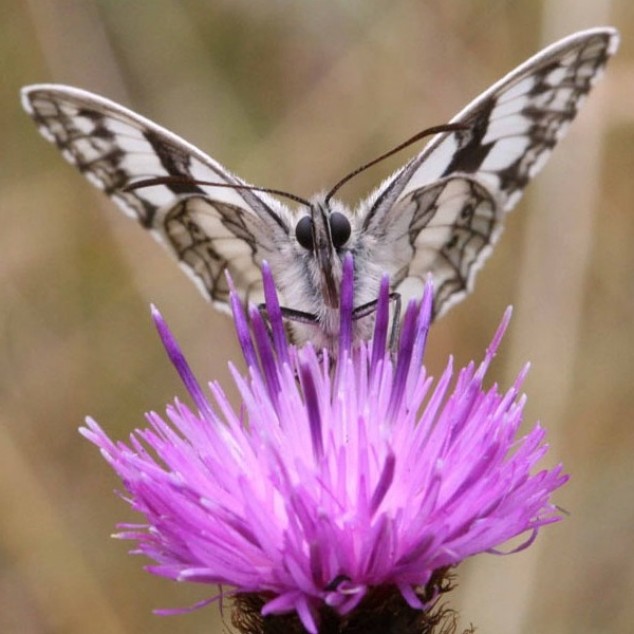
x: 323, y: 237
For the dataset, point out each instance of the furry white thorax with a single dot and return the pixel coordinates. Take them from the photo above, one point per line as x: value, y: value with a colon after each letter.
x: 299, y: 278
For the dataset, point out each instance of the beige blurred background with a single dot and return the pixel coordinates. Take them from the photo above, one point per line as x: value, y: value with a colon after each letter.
x: 293, y: 95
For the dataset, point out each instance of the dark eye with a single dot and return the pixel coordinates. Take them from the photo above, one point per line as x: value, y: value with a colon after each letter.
x: 304, y: 232
x: 340, y: 229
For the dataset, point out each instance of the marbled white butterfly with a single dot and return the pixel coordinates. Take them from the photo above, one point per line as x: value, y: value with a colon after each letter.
x: 440, y: 213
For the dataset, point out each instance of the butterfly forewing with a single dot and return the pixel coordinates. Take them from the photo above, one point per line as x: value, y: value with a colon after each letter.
x: 511, y: 130
x: 116, y: 148
x: 440, y: 214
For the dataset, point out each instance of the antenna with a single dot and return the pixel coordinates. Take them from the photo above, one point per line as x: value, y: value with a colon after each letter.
x: 447, y: 127
x: 186, y: 180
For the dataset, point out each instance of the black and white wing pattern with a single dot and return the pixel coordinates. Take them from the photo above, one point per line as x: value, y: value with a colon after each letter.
x: 440, y: 213
x: 443, y: 211
x: 209, y: 229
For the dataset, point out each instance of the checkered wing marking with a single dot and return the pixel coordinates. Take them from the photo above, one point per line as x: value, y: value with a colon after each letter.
x: 209, y: 229
x: 512, y: 129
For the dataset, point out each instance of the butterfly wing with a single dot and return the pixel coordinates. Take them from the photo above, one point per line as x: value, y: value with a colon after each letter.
x: 511, y: 131
x: 209, y: 229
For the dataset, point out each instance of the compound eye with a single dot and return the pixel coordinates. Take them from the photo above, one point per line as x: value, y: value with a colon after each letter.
x: 340, y: 229
x: 304, y: 232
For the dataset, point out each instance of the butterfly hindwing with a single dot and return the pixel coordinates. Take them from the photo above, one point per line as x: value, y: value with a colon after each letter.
x: 461, y: 215
x: 210, y: 237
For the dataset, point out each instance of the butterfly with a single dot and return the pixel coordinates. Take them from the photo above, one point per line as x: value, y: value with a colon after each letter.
x: 439, y: 214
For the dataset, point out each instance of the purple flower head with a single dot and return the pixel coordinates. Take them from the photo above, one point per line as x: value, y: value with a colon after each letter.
x: 334, y: 478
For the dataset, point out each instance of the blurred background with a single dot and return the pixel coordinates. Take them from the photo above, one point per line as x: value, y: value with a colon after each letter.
x: 294, y: 95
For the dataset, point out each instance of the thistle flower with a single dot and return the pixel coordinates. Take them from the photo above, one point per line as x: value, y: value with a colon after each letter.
x: 335, y: 481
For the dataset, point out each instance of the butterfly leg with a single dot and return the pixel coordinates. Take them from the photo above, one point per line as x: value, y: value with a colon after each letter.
x: 396, y: 320
x: 292, y: 314
x: 370, y: 307
x: 289, y: 314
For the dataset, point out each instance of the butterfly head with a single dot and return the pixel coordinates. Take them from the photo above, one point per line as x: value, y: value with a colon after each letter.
x: 324, y: 233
